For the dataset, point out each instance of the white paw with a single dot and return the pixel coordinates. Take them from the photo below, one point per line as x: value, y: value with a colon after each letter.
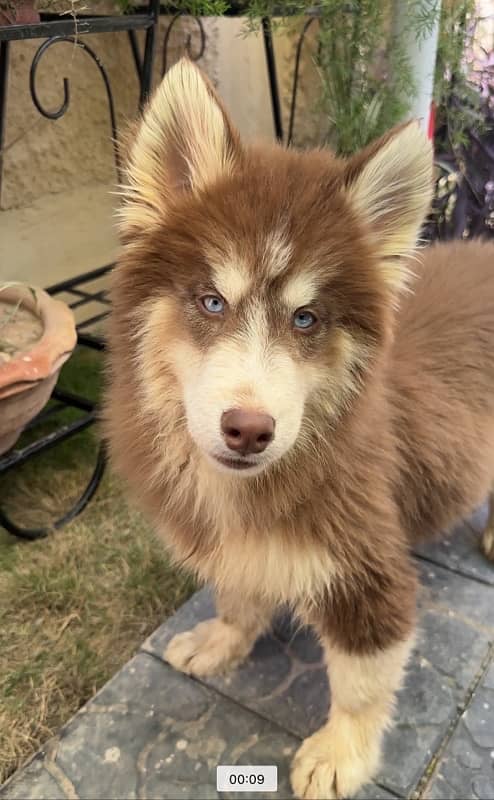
x: 209, y: 648
x: 331, y: 765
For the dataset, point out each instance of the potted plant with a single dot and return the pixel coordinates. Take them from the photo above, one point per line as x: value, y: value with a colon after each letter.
x: 37, y: 335
x: 18, y: 12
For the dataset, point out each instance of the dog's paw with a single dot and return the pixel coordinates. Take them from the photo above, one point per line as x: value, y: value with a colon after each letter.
x: 330, y: 765
x: 487, y: 543
x: 210, y: 648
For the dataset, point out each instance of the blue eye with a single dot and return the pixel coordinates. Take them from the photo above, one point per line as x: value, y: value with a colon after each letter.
x: 304, y: 320
x: 213, y: 304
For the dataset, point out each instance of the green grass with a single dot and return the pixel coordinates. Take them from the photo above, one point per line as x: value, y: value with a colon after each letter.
x: 76, y: 605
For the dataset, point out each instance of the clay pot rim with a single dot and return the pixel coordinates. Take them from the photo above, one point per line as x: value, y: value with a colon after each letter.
x: 45, y: 357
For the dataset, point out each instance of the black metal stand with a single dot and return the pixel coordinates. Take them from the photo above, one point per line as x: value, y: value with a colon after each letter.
x: 267, y: 36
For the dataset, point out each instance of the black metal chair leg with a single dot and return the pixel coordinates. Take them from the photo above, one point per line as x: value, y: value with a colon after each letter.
x: 267, y: 35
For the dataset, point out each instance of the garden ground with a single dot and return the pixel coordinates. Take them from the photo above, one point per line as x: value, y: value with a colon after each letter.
x: 76, y: 605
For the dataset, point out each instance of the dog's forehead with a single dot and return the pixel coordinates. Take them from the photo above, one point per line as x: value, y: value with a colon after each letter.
x: 239, y: 263
x: 270, y: 264
x: 277, y: 232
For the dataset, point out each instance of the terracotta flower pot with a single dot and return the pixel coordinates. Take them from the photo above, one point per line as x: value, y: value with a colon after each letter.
x: 18, y: 12
x: 28, y: 376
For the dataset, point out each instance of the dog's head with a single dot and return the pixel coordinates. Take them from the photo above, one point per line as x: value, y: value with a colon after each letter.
x: 261, y: 280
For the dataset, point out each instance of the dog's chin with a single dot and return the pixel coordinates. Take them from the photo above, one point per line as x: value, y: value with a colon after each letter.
x: 236, y: 466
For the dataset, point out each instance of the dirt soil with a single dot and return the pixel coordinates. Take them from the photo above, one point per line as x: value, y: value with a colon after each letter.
x: 20, y: 328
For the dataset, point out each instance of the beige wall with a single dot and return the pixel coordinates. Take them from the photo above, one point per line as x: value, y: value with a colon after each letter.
x: 45, y: 157
x: 56, y: 210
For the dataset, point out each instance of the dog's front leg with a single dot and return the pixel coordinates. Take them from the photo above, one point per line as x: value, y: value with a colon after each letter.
x: 345, y: 753
x: 221, y: 643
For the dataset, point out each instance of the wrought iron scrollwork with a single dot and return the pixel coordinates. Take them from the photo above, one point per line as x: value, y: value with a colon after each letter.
x: 61, y: 110
x: 194, y: 56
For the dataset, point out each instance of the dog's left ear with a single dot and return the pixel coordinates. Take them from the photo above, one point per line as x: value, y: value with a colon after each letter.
x: 390, y: 186
x: 184, y: 142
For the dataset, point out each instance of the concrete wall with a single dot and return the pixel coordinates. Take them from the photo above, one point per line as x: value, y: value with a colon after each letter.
x: 45, y: 157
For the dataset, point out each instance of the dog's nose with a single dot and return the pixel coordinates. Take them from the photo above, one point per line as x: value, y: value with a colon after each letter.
x: 247, y: 431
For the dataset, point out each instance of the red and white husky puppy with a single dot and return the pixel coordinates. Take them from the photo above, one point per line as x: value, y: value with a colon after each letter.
x: 293, y: 398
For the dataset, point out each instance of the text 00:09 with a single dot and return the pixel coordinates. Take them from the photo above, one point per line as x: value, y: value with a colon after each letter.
x: 246, y: 778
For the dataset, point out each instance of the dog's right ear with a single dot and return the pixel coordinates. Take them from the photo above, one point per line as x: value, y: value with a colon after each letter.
x: 390, y: 185
x: 184, y: 142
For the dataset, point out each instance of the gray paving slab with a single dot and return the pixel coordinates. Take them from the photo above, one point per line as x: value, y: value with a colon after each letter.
x: 457, y: 596
x: 285, y: 679
x: 153, y: 733
x: 466, y: 767
x: 459, y: 550
x: 35, y: 782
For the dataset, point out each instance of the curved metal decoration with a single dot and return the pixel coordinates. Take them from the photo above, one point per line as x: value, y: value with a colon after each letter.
x: 296, y: 73
x: 79, y: 505
x: 59, y: 112
x: 188, y: 42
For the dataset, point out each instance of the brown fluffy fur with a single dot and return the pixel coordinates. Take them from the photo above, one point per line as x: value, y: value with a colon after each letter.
x: 397, y: 433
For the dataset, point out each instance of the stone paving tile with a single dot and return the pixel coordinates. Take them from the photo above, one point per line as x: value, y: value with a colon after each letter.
x: 457, y: 596
x: 153, y: 733
x: 466, y: 768
x: 285, y: 680
x: 34, y: 782
x: 460, y: 551
x: 373, y: 792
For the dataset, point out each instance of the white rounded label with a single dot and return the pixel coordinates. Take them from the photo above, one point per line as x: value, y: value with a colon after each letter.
x: 246, y: 778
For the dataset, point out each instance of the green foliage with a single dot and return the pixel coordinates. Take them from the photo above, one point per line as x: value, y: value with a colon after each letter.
x: 204, y: 8
x: 197, y: 8
x: 366, y: 76
x: 364, y: 73
x: 458, y: 99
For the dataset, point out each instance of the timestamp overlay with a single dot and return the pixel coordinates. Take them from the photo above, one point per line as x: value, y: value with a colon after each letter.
x: 246, y: 778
